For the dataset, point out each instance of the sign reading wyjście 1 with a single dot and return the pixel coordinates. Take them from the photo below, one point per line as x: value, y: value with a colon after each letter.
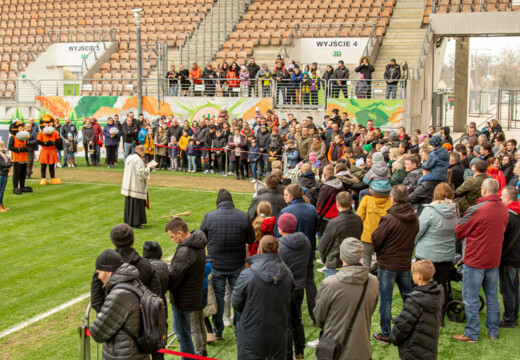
x: 329, y: 50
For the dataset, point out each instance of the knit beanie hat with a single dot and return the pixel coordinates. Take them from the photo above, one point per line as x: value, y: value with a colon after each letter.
x: 477, y: 149
x: 360, y: 162
x: 223, y: 195
x: 473, y: 161
x: 109, y: 260
x: 287, y: 223
x: 435, y: 141
x: 351, y: 251
x: 447, y: 146
x: 398, y: 164
x: 384, y: 149
x: 367, y: 147
x: 377, y: 157
x: 312, y: 157
x: 380, y: 187
x: 152, y: 250
x: 393, y: 136
x: 122, y: 235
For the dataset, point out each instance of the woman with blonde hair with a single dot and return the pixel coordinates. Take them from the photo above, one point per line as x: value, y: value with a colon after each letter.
x: 363, y: 85
x: 263, y: 224
x: 436, y: 238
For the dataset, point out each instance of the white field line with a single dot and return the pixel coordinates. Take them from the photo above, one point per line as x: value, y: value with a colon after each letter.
x: 37, y: 318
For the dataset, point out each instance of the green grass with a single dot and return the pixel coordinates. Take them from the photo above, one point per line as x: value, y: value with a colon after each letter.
x: 50, y: 240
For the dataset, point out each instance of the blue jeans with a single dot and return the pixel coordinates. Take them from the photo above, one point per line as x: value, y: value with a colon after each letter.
x: 391, y: 90
x: 173, y: 90
x: 281, y: 88
x: 363, y: 193
x: 191, y: 163
x: 387, y: 278
x: 330, y: 271
x: 182, y: 327
x: 508, y: 288
x: 472, y: 280
x: 265, y: 162
x: 219, y: 286
x: 128, y: 148
x: 3, y: 183
x: 253, y: 169
x: 59, y: 154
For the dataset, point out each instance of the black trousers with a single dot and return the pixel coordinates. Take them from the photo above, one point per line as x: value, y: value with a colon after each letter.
x: 19, y: 173
x: 239, y: 167
x: 295, y: 331
x: 85, y: 147
x: 310, y: 288
x: 44, y: 171
x: 220, y: 161
x: 198, y: 163
x: 111, y: 151
x: 184, y: 159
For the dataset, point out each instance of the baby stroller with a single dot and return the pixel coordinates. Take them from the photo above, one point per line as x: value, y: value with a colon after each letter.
x: 455, y: 306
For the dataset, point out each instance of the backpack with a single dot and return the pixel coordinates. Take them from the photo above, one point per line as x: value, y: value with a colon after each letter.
x: 152, y: 335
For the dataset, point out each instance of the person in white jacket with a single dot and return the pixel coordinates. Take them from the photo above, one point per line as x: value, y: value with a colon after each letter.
x: 135, y: 188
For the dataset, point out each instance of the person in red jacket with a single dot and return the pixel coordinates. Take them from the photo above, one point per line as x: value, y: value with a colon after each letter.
x: 233, y: 84
x: 483, y: 227
x: 98, y: 141
x: 495, y: 172
x: 195, y: 75
x: 326, y: 203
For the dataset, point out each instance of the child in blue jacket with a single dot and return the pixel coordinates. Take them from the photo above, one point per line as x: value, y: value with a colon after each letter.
x: 438, y: 162
x: 253, y: 156
x: 191, y: 153
x: 292, y: 154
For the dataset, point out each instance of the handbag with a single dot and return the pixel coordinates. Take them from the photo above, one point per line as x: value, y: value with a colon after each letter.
x: 329, y: 349
x: 211, y: 308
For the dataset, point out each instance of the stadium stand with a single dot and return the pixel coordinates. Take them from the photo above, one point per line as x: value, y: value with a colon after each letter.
x: 456, y: 6
x: 269, y: 22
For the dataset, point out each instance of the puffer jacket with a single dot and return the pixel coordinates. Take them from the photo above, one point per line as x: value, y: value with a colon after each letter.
x: 469, y: 192
x: 109, y: 140
x: 357, y: 172
x: 295, y: 249
x: 307, y: 180
x: 438, y: 163
x: 378, y: 171
x: 120, y: 309
x: 435, y: 240
x: 398, y: 177
x: 163, y: 274
x: 394, y: 238
x: 326, y: 204
x: 292, y: 157
x: 146, y: 275
x: 268, y: 282
x: 371, y: 210
x: 271, y: 196
x: 228, y: 231
x: 187, y: 272
x: 511, y: 251
x: 423, y: 194
x: 507, y: 169
x: 347, y: 179
x: 416, y: 329
x: 346, y: 224
x: 411, y: 180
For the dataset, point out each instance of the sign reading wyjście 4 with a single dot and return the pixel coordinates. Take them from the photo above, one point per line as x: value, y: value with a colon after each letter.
x: 329, y: 50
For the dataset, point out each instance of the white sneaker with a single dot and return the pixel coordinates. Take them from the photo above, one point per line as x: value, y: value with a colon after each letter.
x: 319, y: 261
x: 231, y: 173
x: 313, y: 344
x: 70, y: 165
x: 322, y: 270
x: 228, y: 322
x: 253, y: 180
x: 58, y: 165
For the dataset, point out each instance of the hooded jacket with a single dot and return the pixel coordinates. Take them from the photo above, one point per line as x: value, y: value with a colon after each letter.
x: 371, y: 210
x: 187, y: 272
x: 292, y: 157
x: 457, y: 174
x: 265, y: 288
x: 228, y: 230
x: 378, y: 171
x: 416, y: 329
x: 346, y: 224
x: 307, y: 180
x: 511, y: 245
x: 121, y: 308
x: 437, y: 223
x: 423, y: 194
x: 307, y: 219
x: 395, y: 75
x: 438, y: 163
x: 336, y: 301
x: 507, y: 170
x: 411, y: 180
x: 295, y: 249
x: 483, y: 226
x: 394, y: 238
x: 271, y: 196
x: 326, y: 203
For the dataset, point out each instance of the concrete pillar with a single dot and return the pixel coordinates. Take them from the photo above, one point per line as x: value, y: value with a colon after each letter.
x: 460, y: 111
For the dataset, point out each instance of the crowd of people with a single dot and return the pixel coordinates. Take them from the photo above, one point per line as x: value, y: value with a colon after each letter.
x: 362, y: 202
x: 290, y: 83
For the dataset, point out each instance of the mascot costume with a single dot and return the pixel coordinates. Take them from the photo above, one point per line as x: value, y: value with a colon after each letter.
x: 18, y: 147
x: 48, y: 155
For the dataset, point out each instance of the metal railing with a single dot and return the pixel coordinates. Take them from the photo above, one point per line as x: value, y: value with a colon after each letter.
x: 428, y: 38
x: 475, y: 6
x: 19, y: 90
x: 507, y: 109
x: 93, y: 56
x: 219, y: 87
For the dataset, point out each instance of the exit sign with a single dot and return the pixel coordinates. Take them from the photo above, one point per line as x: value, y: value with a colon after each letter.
x: 336, y: 53
x: 83, y: 56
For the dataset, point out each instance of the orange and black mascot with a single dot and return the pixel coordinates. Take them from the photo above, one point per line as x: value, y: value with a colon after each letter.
x: 18, y: 147
x: 48, y: 155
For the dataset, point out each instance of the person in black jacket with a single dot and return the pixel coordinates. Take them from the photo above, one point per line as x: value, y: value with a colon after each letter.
x: 423, y: 194
x: 120, y: 315
x: 366, y: 70
x: 32, y: 147
x: 346, y: 224
x: 294, y: 250
x: 457, y: 170
x: 228, y: 231
x: 122, y: 237
x: 130, y: 131
x: 510, y: 260
x: 184, y: 77
x: 209, y: 75
x: 173, y: 81
x: 416, y: 329
x: 270, y: 195
x: 262, y: 297
x: 253, y: 69
x: 340, y: 77
x: 186, y: 278
x: 392, y: 76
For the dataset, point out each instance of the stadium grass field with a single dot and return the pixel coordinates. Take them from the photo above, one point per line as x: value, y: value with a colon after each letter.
x: 50, y: 240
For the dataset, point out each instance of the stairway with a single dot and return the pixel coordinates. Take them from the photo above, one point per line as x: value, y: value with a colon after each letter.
x: 266, y: 54
x: 404, y: 36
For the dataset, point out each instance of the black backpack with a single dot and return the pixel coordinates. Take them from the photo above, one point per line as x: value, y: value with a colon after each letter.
x: 152, y: 336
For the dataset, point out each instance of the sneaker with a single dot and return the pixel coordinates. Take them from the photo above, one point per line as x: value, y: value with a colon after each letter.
x: 464, y: 338
x: 507, y: 325
x: 206, y: 172
x: 219, y: 337
x: 253, y: 180
x: 58, y: 165
x: 210, y: 338
x: 313, y: 344
x: 319, y: 261
x: 211, y: 172
x: 322, y: 270
x: 382, y: 339
x: 231, y: 173
x: 228, y: 322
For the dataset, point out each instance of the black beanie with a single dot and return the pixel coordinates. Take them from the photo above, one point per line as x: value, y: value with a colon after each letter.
x: 223, y: 195
x: 152, y: 250
x: 109, y: 260
x: 122, y: 235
